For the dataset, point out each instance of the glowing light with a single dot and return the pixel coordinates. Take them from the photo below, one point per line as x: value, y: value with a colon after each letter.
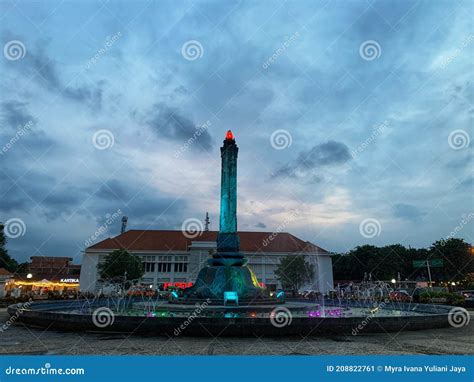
x: 394, y: 281
x: 29, y: 276
x: 314, y: 313
x: 253, y: 314
x: 229, y: 135
x: 180, y: 285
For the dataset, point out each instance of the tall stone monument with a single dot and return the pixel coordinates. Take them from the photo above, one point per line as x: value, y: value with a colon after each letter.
x: 227, y: 270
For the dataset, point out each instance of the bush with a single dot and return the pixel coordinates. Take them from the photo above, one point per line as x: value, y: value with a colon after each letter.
x: 451, y: 298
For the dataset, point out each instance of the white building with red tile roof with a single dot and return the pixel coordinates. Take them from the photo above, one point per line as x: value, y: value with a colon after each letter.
x: 171, y: 257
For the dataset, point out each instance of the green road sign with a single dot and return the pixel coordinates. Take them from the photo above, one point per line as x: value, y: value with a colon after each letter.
x: 419, y: 263
x: 436, y: 263
x: 433, y: 263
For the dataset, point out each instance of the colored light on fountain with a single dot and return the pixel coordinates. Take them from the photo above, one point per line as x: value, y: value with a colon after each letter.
x: 314, y: 313
x: 174, y: 294
x: 253, y: 314
x: 280, y: 294
x: 163, y: 314
x: 228, y: 315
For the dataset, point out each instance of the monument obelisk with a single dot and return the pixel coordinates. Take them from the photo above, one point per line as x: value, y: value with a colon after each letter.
x: 226, y: 271
x: 228, y: 242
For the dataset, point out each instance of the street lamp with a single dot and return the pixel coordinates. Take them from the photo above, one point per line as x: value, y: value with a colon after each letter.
x: 394, y: 281
x: 29, y: 276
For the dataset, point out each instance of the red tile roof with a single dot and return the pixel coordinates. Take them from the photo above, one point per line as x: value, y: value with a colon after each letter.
x: 161, y: 240
x: 4, y: 272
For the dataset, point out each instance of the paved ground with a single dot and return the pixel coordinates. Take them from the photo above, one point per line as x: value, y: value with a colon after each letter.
x: 23, y: 340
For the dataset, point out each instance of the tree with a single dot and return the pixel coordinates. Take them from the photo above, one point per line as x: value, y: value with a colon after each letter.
x: 293, y: 272
x: 457, y: 260
x: 120, y: 265
x: 5, y: 260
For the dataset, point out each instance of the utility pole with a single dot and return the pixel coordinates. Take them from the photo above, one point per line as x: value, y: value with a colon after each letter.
x: 429, y: 272
x: 207, y: 222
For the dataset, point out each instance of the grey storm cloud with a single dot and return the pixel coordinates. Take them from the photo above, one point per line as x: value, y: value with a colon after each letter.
x: 15, y: 114
x: 170, y: 123
x: 324, y: 154
x: 407, y: 212
x: 141, y: 204
x: 260, y: 225
x: 45, y: 72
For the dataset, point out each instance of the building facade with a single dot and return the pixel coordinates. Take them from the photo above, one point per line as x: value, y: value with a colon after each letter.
x: 45, y: 275
x: 169, y: 257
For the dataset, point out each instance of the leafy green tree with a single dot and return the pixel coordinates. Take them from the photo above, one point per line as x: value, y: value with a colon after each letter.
x: 5, y: 260
x: 293, y: 272
x: 457, y: 260
x: 120, y: 265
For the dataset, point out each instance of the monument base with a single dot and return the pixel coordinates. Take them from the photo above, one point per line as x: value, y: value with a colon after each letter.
x: 214, y: 280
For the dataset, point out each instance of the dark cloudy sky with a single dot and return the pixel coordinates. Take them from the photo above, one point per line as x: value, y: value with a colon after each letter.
x: 353, y: 119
